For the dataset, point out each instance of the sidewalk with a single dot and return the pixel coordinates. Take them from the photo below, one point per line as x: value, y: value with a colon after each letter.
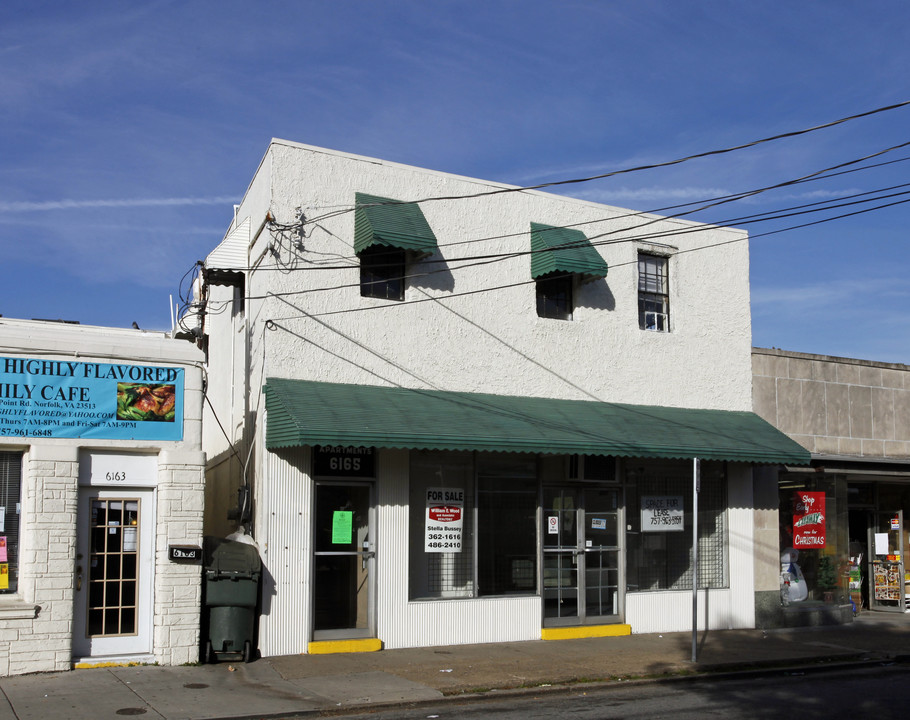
x: 301, y: 684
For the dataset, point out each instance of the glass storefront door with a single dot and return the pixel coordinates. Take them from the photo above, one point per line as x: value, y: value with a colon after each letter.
x: 343, y: 561
x: 581, y: 582
x: 886, y: 562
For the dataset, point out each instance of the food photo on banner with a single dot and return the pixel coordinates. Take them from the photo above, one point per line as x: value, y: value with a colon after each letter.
x: 68, y: 399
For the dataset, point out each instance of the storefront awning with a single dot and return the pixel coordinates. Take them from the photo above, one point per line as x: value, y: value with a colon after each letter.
x: 383, y: 221
x: 560, y: 249
x: 302, y: 412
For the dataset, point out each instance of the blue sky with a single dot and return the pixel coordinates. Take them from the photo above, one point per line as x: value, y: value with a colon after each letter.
x: 128, y: 130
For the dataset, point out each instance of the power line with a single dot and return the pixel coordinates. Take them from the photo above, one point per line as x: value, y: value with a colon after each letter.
x: 532, y: 281
x: 638, y: 168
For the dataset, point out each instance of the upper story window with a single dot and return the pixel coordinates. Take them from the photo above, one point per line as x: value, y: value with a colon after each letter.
x: 382, y: 273
x: 388, y: 234
x: 554, y: 296
x: 561, y: 259
x: 653, y: 293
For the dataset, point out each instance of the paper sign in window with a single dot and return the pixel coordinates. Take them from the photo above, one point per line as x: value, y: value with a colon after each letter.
x: 342, y: 527
x: 4, y: 557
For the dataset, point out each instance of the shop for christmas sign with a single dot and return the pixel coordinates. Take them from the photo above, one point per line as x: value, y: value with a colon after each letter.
x: 445, y: 519
x: 809, y: 520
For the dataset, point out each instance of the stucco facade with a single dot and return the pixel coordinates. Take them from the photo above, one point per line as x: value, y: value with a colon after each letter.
x: 62, y: 535
x: 466, y: 323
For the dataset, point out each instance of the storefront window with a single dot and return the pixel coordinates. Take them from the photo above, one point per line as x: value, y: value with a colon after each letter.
x: 440, y: 572
x: 10, y: 484
x: 814, y: 524
x: 659, y: 516
x: 471, y: 539
x: 507, y: 526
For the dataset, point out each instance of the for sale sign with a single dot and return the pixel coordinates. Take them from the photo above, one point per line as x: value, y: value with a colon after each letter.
x: 809, y: 520
x: 445, y: 519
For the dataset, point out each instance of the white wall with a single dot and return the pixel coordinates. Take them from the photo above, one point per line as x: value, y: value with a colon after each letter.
x: 493, y: 341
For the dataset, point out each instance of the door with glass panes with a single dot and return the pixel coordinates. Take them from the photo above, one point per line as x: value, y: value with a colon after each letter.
x: 343, y: 560
x: 114, y: 569
x: 888, y: 586
x: 581, y: 555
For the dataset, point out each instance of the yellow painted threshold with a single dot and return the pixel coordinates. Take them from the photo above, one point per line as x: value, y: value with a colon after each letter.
x: 585, y: 631
x: 104, y: 664
x: 328, y: 647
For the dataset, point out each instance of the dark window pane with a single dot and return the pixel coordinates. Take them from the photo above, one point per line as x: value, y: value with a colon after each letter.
x: 382, y: 273
x: 507, y: 534
x: 554, y: 297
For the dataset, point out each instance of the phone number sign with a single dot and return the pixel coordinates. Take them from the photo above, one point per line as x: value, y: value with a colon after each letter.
x: 444, y: 520
x: 662, y: 513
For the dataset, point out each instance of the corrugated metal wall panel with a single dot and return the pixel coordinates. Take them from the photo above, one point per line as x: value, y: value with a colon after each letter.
x: 740, y: 551
x: 231, y: 253
x: 439, y: 622
x: 284, y: 502
x: 672, y: 611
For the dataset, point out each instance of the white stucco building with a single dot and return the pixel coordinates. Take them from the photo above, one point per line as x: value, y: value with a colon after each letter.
x: 459, y: 412
x: 101, y: 473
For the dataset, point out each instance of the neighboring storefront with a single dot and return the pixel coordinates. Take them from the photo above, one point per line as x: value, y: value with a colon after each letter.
x: 845, y: 515
x: 101, y: 477
x: 452, y: 412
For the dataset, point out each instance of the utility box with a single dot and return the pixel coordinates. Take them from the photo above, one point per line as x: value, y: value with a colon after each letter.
x: 232, y: 571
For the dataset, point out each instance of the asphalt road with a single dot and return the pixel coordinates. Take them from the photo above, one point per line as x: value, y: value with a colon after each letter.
x: 869, y: 693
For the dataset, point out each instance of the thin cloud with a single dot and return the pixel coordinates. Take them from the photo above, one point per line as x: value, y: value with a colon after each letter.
x: 49, y: 205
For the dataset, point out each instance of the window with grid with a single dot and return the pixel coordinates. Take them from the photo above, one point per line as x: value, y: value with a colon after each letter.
x: 10, y: 503
x: 653, y: 293
x: 662, y: 560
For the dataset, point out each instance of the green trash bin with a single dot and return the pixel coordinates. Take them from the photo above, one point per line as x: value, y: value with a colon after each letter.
x: 230, y: 594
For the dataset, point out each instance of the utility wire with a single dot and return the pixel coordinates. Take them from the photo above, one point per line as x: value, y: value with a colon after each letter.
x: 530, y: 282
x: 638, y: 168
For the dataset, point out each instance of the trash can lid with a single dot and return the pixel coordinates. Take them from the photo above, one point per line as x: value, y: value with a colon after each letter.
x: 228, y: 556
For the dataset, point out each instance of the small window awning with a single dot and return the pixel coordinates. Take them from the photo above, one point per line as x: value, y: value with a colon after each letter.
x: 383, y: 221
x: 565, y: 250
x: 302, y: 412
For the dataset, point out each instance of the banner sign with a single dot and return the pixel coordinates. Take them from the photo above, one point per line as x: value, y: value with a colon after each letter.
x: 67, y: 399
x: 662, y: 513
x: 809, y: 520
x: 445, y: 519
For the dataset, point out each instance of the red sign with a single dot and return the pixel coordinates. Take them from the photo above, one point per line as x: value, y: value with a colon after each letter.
x: 809, y: 520
x: 444, y: 513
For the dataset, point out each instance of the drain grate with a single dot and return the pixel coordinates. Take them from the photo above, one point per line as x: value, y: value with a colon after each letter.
x: 132, y: 711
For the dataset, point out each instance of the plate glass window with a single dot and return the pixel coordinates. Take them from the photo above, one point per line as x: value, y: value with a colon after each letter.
x: 653, y: 293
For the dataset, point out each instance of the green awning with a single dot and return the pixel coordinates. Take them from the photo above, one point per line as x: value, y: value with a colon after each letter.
x: 559, y: 249
x: 383, y: 221
x: 302, y: 412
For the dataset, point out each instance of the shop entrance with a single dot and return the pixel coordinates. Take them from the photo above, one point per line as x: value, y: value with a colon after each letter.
x: 887, y: 585
x: 581, y: 552
x: 343, y: 561
x: 113, y: 583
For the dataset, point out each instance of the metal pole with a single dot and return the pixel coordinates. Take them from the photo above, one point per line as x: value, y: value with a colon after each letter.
x: 696, y: 482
